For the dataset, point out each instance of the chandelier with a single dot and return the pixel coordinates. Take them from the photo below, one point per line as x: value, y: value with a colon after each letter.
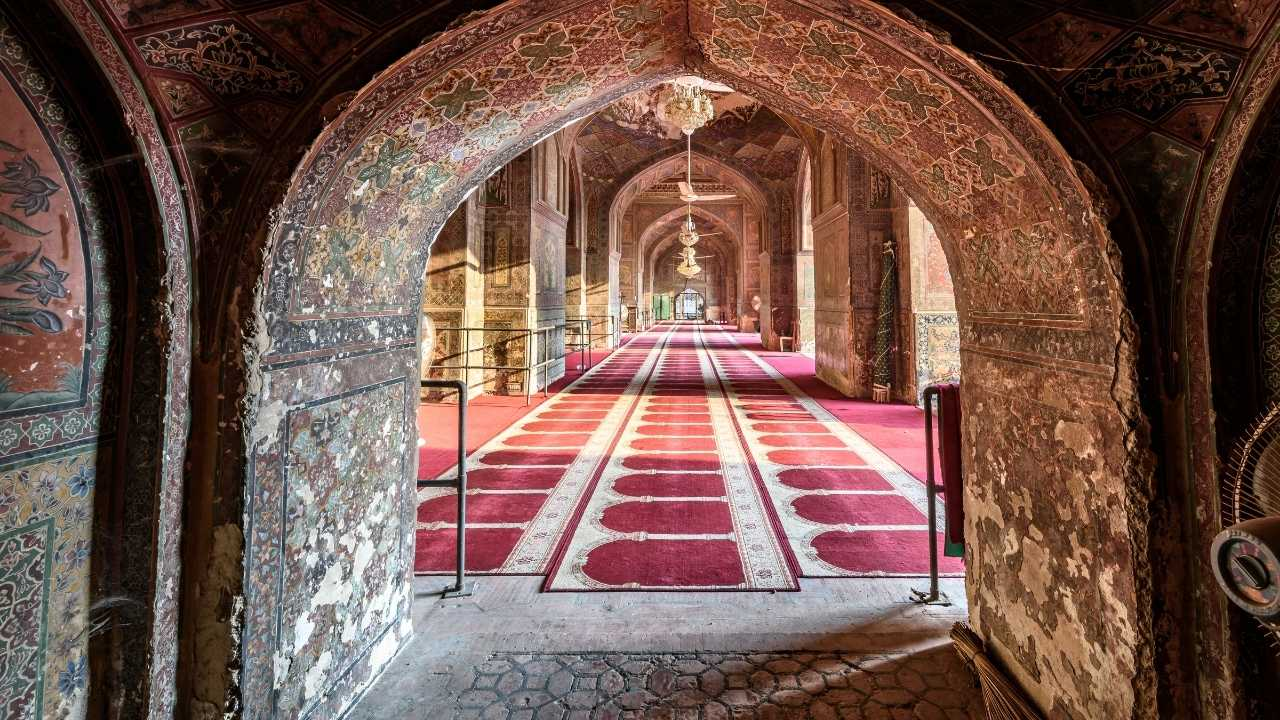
x: 689, y: 107
x: 688, y: 233
x: 688, y: 266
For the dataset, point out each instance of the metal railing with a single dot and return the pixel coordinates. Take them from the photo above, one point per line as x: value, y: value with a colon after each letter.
x: 459, y: 483
x: 644, y: 319
x: 540, y: 348
x: 611, y: 331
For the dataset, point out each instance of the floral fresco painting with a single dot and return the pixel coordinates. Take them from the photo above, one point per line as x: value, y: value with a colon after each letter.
x: 43, y: 293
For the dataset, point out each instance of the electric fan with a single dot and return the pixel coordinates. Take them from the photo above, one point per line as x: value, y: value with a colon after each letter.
x: 1246, y: 554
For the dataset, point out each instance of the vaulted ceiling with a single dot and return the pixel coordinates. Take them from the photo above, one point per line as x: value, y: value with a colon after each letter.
x: 1137, y: 90
x: 1128, y: 86
x: 618, y: 142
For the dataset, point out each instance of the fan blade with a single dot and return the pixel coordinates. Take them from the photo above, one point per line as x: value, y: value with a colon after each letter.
x: 686, y: 189
x: 702, y: 234
x: 725, y: 196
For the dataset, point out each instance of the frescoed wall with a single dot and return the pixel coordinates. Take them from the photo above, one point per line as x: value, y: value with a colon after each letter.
x: 526, y: 221
x: 928, y: 327
x: 453, y: 297
x: 59, y: 386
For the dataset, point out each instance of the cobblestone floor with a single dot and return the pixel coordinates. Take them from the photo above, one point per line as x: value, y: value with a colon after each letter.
x: 933, y: 685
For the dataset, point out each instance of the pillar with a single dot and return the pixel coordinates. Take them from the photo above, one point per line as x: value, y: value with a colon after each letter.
x: 453, y: 297
x: 928, y: 326
x: 526, y: 220
x: 852, y: 221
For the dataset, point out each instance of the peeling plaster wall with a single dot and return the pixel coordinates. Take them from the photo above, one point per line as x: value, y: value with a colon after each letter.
x: 330, y: 532
x: 1055, y: 571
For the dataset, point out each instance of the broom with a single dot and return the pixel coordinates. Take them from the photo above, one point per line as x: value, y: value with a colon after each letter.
x: 1003, y: 699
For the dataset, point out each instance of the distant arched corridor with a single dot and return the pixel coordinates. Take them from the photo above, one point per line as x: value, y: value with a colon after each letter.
x: 685, y: 461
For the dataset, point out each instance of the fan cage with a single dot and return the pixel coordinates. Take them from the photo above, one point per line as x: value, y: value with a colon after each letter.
x: 1252, y: 487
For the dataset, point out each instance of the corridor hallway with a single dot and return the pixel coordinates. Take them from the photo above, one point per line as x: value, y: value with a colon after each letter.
x: 686, y: 466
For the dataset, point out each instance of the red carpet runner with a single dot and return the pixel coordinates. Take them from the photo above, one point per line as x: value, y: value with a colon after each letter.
x: 683, y: 462
x: 678, y: 504
x: 524, y: 484
x: 847, y: 508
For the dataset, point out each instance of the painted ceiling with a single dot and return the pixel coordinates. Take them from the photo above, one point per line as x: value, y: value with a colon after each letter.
x: 1136, y: 89
x: 629, y: 135
x: 243, y: 87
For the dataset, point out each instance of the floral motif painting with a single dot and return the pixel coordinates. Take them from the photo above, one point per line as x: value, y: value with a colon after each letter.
x: 46, y: 511
x: 55, y: 326
x: 42, y: 291
x: 937, y: 350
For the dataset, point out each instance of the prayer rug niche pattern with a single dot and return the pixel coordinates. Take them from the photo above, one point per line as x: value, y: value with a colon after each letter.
x: 682, y: 462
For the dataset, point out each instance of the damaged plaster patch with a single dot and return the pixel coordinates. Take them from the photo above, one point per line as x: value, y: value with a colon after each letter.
x: 1076, y: 437
x: 218, y: 616
x: 345, y: 551
x: 1033, y: 573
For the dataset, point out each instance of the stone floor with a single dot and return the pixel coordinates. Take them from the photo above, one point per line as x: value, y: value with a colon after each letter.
x: 839, y: 649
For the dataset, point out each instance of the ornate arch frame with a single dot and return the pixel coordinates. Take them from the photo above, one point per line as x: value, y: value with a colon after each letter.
x: 656, y: 238
x: 1219, y: 690
x: 1038, y: 290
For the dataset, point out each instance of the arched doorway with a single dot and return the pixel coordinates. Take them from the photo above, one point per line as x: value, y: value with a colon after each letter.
x: 690, y: 305
x: 657, y: 250
x: 1045, y: 335
x: 741, y: 221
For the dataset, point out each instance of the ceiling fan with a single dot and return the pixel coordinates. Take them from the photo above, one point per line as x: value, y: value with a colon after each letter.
x: 687, y: 193
x: 1246, y: 554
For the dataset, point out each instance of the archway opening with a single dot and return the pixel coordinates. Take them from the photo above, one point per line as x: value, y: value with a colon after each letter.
x: 1036, y: 293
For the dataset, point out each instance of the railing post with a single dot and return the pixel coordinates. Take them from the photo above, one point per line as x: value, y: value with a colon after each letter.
x: 931, y: 491
x: 460, y: 587
x: 528, y: 367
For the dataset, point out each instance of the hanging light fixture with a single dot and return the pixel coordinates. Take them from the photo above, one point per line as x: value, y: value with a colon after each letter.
x: 689, y: 107
x: 688, y: 266
x: 689, y: 233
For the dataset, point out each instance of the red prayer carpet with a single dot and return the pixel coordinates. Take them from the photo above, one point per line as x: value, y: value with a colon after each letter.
x: 685, y: 461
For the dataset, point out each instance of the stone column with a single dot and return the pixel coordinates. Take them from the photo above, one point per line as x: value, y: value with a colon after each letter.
x: 928, y: 329
x: 751, y: 281
x: 526, y: 208
x: 453, y: 297
x: 803, y: 328
x: 765, y: 260
x: 849, y: 234
x: 778, y: 306
x: 575, y: 257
